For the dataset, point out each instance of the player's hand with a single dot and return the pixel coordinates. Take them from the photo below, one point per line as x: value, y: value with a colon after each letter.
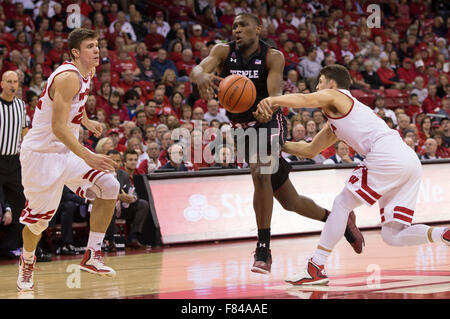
x: 260, y: 117
x: 100, y: 162
x: 265, y: 107
x: 7, y: 218
x: 94, y: 127
x: 206, y: 83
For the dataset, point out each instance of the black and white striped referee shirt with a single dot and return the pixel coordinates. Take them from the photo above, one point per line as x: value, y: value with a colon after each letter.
x: 13, y: 119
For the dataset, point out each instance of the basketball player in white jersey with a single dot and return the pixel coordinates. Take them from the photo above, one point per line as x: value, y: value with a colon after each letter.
x: 389, y: 174
x: 52, y: 157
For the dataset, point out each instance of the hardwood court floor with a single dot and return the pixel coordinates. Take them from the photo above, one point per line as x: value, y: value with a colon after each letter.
x: 222, y: 270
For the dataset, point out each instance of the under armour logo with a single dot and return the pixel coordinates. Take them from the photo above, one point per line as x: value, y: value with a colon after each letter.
x: 233, y: 60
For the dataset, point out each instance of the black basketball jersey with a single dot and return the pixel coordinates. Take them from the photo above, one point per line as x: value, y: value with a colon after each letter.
x: 254, y: 68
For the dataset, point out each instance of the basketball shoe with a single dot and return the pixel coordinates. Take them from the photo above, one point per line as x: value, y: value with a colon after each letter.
x: 446, y: 236
x: 313, y: 275
x: 25, y: 281
x: 263, y: 259
x: 93, y: 262
x: 353, y: 235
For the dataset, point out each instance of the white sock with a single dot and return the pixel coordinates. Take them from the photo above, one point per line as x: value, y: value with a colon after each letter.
x: 436, y: 234
x: 28, y: 256
x: 335, y: 225
x: 95, y: 240
x: 396, y: 234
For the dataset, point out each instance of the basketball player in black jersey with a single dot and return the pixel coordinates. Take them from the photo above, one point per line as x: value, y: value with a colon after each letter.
x: 249, y: 56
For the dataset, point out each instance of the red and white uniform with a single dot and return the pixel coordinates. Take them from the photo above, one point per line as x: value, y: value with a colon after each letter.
x: 391, y: 171
x: 47, y: 164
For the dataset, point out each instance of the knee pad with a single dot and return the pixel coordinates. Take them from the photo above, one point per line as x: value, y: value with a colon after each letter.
x: 105, y: 187
x: 346, y: 200
x: 38, y: 227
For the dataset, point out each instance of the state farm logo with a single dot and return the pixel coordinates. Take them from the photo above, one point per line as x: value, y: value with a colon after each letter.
x: 199, y: 209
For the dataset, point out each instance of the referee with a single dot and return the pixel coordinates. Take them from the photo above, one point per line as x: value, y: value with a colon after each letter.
x: 13, y: 127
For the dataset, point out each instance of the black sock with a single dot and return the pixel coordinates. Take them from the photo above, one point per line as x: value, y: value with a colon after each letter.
x: 264, y: 237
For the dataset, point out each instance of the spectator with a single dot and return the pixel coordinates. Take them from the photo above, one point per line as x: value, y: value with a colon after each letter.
x: 311, y: 130
x: 215, y: 113
x: 224, y: 159
x: 342, y: 155
x: 442, y: 151
x: 153, y: 40
x: 414, y: 108
x: 198, y: 114
x: 133, y: 209
x: 357, y: 77
x: 114, y: 134
x: 197, y: 37
x: 430, y: 149
x: 403, y: 121
x: 161, y: 63
x: 388, y: 77
x: 148, y: 72
x: 126, y: 26
x: 175, y: 156
x: 445, y: 111
x: 163, y: 27
x: 419, y: 89
x: 104, y: 145
x: 380, y: 106
x: 290, y: 85
x: 445, y: 128
x: 186, y: 65
x: 309, y: 67
x: 407, y: 73
x: 117, y: 108
x: 298, y: 132
x: 180, y: 13
x: 432, y: 102
x: 152, y: 163
x: 71, y: 208
x: 371, y: 77
x: 425, y: 128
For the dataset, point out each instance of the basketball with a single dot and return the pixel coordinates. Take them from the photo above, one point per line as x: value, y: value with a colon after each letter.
x: 237, y: 93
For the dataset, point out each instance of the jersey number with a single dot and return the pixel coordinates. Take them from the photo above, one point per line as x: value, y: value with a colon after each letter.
x: 77, y: 118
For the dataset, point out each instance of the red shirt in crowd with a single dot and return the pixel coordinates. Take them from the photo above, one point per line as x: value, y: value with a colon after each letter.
x: 431, y: 105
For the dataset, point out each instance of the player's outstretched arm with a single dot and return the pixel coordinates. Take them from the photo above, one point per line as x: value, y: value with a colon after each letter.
x: 203, y: 74
x: 324, y: 139
x: 66, y: 86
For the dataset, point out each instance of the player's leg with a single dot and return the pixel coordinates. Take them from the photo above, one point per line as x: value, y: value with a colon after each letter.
x: 262, y: 205
x: 290, y: 200
x: 102, y: 189
x: 397, y: 211
x: 332, y: 232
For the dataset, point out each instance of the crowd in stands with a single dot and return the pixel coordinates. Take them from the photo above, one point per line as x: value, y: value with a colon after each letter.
x: 141, y: 92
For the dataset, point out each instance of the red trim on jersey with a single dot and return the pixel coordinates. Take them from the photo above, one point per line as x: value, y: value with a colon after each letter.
x: 365, y: 197
x: 402, y: 217
x: 366, y: 187
x: 404, y: 210
x: 51, y: 83
x: 341, y: 117
x: 84, y: 80
x: 88, y: 173
x: 382, y: 215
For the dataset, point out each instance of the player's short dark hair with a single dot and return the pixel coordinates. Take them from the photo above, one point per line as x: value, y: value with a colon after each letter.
x: 250, y: 15
x: 129, y: 152
x: 79, y: 35
x: 112, y: 152
x: 339, y: 74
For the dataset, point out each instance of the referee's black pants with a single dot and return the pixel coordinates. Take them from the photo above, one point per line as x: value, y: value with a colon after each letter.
x: 11, y: 185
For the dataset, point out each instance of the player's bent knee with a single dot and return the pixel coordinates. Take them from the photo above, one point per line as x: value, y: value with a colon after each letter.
x: 389, y: 234
x: 107, y: 187
x: 38, y: 227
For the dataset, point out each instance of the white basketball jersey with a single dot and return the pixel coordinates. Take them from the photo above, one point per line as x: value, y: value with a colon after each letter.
x: 360, y: 128
x: 40, y: 138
